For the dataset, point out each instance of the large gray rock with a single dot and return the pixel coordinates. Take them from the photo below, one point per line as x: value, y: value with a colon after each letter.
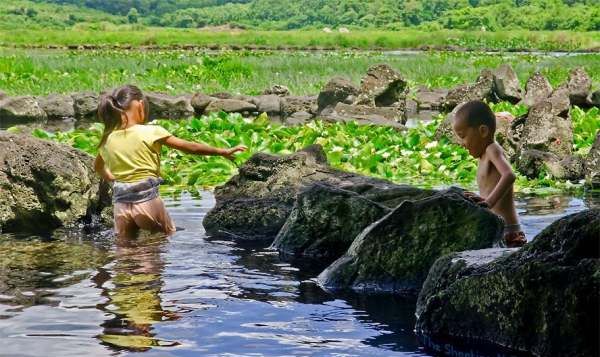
x: 579, y: 86
x: 44, y: 185
x: 364, y: 115
x: 18, y: 110
x: 164, y: 106
x: 295, y: 104
x: 200, y: 101
x: 506, y: 84
x: 482, y: 89
x: 541, y: 299
x: 430, y: 99
x: 382, y: 86
x: 270, y: 104
x: 298, y: 118
x: 395, y: 253
x: 592, y: 164
x: 337, y: 90
x: 230, y: 106
x: 537, y: 89
x: 325, y: 219
x: 534, y: 163
x: 545, y: 130
x: 57, y: 106
x: 85, y: 104
x: 256, y: 203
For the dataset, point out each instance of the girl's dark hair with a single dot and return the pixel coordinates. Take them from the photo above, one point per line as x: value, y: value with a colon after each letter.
x: 112, y: 106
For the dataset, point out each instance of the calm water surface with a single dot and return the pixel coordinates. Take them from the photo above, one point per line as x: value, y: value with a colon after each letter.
x: 191, y: 296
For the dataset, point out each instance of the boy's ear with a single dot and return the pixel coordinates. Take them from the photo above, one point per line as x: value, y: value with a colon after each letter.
x: 484, y: 131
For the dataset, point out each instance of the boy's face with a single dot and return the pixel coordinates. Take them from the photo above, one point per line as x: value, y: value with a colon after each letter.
x: 474, y: 139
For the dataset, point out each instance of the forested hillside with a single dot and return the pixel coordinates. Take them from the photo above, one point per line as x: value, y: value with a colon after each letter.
x: 581, y: 15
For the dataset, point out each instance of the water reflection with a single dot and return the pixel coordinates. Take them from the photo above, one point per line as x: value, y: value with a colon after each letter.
x: 189, y: 295
x: 132, y: 287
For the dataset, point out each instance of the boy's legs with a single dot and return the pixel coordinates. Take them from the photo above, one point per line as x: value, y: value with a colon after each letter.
x: 514, y: 236
x: 125, y: 226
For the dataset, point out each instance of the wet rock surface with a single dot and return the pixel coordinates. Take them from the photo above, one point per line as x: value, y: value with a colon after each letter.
x: 44, y: 185
x: 539, y: 299
x: 394, y: 254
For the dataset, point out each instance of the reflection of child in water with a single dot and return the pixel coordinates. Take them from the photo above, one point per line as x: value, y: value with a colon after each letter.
x: 475, y: 125
x: 135, y: 297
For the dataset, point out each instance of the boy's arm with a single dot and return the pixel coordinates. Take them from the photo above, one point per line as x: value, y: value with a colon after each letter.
x: 198, y: 148
x: 507, y: 177
x: 102, y: 170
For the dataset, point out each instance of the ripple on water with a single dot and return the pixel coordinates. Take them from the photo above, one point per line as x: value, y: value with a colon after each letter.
x: 189, y: 295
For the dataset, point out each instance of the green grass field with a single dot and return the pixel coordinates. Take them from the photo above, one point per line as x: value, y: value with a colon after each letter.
x: 39, y: 72
x: 110, y: 35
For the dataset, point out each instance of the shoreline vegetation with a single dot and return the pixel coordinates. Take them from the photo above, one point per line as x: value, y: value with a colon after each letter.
x: 110, y: 36
x: 41, y: 72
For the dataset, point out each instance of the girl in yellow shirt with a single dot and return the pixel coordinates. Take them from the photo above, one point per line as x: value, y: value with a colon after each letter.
x: 129, y: 156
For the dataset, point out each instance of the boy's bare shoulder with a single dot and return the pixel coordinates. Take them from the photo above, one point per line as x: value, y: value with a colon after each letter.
x: 494, y: 149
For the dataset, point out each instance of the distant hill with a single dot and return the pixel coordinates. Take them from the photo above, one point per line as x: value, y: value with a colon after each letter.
x: 491, y: 15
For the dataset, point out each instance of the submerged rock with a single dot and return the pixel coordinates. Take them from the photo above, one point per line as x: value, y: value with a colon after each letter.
x: 325, y: 219
x: 542, y: 298
x: 395, y: 253
x: 256, y: 203
x: 44, y: 185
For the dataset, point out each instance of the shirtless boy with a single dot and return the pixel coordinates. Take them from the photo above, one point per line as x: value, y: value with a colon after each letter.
x: 475, y: 124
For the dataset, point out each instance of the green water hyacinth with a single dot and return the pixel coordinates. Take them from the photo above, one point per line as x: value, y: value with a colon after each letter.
x: 410, y: 156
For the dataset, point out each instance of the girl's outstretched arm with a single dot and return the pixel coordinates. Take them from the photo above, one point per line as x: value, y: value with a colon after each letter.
x: 102, y: 170
x: 198, y: 148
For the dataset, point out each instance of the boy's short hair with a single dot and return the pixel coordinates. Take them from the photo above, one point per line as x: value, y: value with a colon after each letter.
x: 476, y: 113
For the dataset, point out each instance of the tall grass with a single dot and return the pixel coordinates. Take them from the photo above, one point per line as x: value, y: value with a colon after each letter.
x: 109, y: 34
x: 41, y: 72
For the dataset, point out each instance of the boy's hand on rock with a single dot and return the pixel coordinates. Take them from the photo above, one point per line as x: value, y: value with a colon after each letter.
x: 229, y: 153
x: 476, y: 199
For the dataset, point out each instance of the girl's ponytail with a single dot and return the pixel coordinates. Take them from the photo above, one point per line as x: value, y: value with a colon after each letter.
x: 112, y: 106
x: 109, y: 113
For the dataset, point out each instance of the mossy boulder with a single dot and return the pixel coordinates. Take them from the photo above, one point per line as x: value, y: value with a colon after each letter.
x: 255, y: 203
x: 395, y: 253
x: 541, y: 299
x: 44, y: 185
x: 325, y: 219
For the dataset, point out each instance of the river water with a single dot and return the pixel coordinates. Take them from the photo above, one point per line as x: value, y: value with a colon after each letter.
x: 192, y: 296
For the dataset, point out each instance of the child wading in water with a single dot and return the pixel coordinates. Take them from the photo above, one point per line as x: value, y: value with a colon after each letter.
x: 129, y: 156
x: 475, y: 124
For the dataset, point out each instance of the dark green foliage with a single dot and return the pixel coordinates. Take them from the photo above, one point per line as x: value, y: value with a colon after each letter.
x: 581, y: 15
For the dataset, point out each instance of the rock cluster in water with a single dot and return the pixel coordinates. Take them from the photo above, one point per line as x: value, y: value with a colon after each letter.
x: 370, y: 235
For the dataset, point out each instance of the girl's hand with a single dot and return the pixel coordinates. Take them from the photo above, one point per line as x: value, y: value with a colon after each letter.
x: 229, y: 153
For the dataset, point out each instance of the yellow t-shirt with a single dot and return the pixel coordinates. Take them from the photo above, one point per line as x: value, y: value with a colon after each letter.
x: 133, y: 154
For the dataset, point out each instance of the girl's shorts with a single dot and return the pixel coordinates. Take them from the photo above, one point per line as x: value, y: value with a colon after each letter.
x: 150, y: 215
